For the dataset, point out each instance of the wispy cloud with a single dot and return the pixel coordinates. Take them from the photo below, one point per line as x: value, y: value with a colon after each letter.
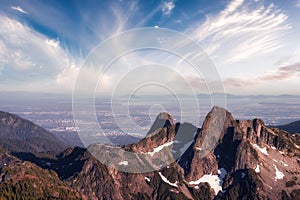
x: 283, y: 73
x: 242, y: 30
x: 279, y: 74
x: 167, y: 7
x: 19, y: 9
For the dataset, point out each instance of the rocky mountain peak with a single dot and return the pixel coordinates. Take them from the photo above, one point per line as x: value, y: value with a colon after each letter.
x: 162, y: 120
x: 224, y: 159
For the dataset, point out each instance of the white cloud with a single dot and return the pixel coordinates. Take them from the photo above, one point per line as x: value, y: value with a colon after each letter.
x: 232, y: 6
x: 27, y: 56
x: 298, y: 3
x: 53, y: 43
x: 242, y: 30
x: 66, y: 78
x: 19, y: 9
x: 167, y: 7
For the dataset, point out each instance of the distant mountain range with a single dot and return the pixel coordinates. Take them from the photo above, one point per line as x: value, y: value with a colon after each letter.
x: 44, y: 96
x: 244, y: 159
x: 20, y: 135
x: 293, y: 127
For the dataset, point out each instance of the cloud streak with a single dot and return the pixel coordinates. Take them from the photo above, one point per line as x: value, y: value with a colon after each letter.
x: 19, y: 9
x: 279, y: 74
x: 242, y: 30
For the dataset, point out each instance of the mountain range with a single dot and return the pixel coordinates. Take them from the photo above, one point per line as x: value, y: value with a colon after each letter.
x: 293, y: 127
x: 224, y: 159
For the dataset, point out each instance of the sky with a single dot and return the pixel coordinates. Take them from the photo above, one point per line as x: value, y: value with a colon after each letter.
x: 254, y: 45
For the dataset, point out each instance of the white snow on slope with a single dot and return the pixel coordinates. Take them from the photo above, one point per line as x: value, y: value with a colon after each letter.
x: 166, y: 180
x: 257, y: 169
x: 159, y: 148
x: 215, y: 181
x: 278, y: 174
x: 263, y: 150
x: 147, y: 178
x: 123, y: 163
x: 281, y: 152
x: 284, y: 164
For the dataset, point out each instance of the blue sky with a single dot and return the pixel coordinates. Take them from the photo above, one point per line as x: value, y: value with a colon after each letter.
x: 255, y: 45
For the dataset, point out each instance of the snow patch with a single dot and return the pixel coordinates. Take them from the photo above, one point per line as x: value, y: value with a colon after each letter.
x: 281, y: 152
x: 275, y: 160
x: 123, y: 163
x: 296, y: 146
x: 215, y: 181
x: 166, y: 180
x: 147, y: 179
x: 272, y: 147
x: 257, y: 169
x: 263, y: 150
x: 159, y: 148
x: 270, y: 187
x: 198, y: 148
x: 284, y: 164
x: 278, y: 174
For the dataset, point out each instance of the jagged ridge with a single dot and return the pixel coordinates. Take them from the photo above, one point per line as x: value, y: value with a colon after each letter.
x: 241, y: 159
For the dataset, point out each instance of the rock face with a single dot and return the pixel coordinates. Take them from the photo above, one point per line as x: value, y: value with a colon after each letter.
x: 224, y: 159
x: 162, y: 120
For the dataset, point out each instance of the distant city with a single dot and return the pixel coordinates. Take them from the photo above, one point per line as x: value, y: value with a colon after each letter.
x: 55, y: 113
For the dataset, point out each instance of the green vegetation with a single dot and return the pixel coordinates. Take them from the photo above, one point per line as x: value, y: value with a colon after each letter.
x: 23, y: 180
x: 29, y: 189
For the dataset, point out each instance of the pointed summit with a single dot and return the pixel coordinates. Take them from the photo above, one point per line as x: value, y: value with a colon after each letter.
x: 162, y: 120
